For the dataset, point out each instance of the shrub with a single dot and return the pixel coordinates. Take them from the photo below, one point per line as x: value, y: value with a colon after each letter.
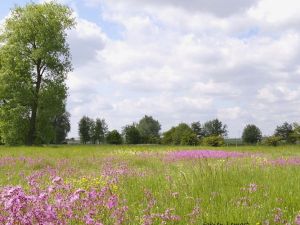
x: 114, y: 137
x: 272, y: 140
x: 214, y: 141
x: 189, y: 138
x: 182, y: 134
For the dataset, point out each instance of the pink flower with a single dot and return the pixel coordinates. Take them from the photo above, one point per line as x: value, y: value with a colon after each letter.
x: 57, y: 180
x: 112, y: 202
x: 297, y: 219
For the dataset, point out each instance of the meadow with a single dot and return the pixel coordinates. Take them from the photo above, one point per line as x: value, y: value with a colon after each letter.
x: 149, y: 184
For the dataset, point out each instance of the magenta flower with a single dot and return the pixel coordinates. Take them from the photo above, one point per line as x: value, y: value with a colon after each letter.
x: 201, y: 154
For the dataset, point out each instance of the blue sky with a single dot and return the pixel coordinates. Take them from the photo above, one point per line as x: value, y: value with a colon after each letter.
x: 184, y: 61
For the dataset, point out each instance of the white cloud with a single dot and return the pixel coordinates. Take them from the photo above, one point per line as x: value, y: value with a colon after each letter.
x: 276, y: 12
x: 184, y: 61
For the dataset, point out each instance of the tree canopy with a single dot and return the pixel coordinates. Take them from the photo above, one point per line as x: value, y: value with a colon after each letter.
x: 286, y: 133
x: 214, y: 128
x: 34, y: 62
x: 251, y: 134
x: 149, y: 129
x: 131, y: 134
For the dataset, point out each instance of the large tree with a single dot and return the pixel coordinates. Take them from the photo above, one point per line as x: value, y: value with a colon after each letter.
x: 149, y: 129
x: 34, y: 62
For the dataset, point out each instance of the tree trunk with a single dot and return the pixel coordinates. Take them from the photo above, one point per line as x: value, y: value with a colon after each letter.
x: 32, y: 125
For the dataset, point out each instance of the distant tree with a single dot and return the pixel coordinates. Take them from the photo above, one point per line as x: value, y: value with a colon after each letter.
x: 149, y: 130
x: 168, y: 136
x: 85, y: 129
x: 62, y: 127
x: 92, y: 131
x: 100, y: 130
x: 198, y: 130
x: 251, y: 134
x: 132, y: 134
x: 114, y: 137
x: 214, y: 128
x: 296, y: 132
x: 285, y: 132
x: 182, y: 134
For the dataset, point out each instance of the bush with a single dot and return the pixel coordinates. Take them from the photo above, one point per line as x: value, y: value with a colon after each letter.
x: 182, y: 134
x: 272, y: 141
x: 189, y: 139
x: 114, y: 137
x: 214, y: 141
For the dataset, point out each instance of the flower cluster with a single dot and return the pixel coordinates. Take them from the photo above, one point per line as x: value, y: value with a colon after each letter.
x: 200, y: 154
x: 59, y: 203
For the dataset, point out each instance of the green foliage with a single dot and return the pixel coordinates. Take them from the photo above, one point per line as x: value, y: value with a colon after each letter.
x: 114, y: 137
x: 189, y: 138
x: 180, y: 135
x: 197, y: 129
x: 99, y: 130
x: 251, y: 134
x: 149, y: 130
x: 296, y: 131
x: 34, y: 62
x: 214, y: 128
x: 272, y: 140
x: 286, y: 133
x: 132, y: 134
x: 62, y: 127
x: 85, y: 125
x: 215, y: 141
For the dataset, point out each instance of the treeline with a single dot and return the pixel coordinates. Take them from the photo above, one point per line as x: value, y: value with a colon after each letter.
x: 147, y: 131
x: 210, y: 133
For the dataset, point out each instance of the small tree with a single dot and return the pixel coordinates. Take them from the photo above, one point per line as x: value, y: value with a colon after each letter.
x: 114, y: 137
x: 100, y: 130
x: 285, y: 132
x: 251, y: 134
x: 131, y: 134
x: 149, y: 130
x: 214, y: 128
x: 85, y: 129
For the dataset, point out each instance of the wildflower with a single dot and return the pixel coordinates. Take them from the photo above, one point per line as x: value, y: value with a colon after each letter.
x: 57, y: 180
x: 112, y: 202
x: 297, y: 219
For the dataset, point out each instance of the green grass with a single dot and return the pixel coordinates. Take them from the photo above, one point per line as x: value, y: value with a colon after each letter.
x: 216, y: 186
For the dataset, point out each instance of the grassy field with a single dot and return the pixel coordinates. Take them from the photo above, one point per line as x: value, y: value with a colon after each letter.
x: 145, y: 185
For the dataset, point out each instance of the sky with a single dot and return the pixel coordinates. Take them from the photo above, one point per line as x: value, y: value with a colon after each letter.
x: 184, y: 61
